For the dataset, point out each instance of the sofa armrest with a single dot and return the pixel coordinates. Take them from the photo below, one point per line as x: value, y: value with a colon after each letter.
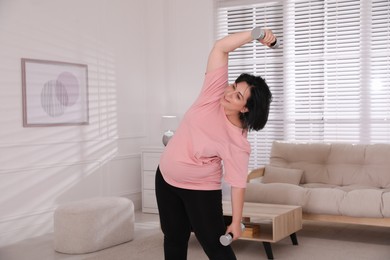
x: 256, y: 173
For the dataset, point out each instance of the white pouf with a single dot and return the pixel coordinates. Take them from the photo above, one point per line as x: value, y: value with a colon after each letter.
x: 93, y: 224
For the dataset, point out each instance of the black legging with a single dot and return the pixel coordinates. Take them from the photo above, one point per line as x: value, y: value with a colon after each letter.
x: 182, y: 211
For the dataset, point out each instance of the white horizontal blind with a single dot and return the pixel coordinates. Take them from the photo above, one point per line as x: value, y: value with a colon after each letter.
x: 379, y: 91
x: 343, y: 67
x: 331, y: 77
x: 255, y: 59
x: 304, y: 78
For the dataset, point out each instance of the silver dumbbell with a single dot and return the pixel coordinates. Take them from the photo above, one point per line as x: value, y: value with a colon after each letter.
x: 228, y: 238
x: 259, y: 34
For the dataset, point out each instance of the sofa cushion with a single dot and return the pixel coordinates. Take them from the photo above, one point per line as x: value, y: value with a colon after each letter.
x: 338, y: 179
x: 310, y: 157
x: 349, y: 188
x: 323, y: 201
x: 386, y: 203
x: 364, y: 203
x: 345, y: 164
x: 318, y: 185
x: 377, y: 164
x: 275, y: 193
x: 282, y: 175
x: 335, y: 163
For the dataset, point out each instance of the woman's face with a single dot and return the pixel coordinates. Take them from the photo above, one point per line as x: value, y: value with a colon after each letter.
x: 235, y: 97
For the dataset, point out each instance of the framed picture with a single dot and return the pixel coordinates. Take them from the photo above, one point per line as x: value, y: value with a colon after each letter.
x: 54, y: 93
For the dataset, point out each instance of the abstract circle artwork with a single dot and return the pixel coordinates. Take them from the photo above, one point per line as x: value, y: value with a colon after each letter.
x: 58, y: 94
x: 55, y: 93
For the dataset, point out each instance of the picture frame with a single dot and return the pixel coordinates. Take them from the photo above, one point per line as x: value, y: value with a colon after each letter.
x: 55, y: 93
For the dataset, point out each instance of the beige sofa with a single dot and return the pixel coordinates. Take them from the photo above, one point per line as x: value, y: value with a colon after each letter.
x: 334, y: 182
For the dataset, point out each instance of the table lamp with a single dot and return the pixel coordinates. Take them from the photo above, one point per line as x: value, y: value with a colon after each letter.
x: 169, y: 124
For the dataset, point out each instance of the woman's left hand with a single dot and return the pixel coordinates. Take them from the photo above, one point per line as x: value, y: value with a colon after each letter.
x: 235, y: 229
x: 269, y: 38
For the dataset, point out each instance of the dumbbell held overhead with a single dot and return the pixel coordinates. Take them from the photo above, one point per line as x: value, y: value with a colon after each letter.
x: 259, y: 33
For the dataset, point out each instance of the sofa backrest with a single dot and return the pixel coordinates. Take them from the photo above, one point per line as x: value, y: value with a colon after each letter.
x: 335, y: 163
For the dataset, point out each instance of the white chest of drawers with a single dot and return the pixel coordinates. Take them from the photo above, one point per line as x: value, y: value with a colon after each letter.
x: 150, y: 160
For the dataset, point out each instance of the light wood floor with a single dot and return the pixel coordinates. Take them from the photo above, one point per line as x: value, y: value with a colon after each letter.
x: 317, y: 241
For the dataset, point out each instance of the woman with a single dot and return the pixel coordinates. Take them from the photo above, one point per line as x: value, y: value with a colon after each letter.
x: 213, y: 132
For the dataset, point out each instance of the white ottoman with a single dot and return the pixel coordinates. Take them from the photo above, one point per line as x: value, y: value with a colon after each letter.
x: 93, y: 224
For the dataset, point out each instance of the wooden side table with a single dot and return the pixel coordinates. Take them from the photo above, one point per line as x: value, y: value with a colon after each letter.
x: 275, y: 221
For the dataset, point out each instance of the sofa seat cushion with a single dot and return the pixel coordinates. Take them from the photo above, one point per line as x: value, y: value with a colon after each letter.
x: 386, y: 203
x: 363, y: 203
x: 323, y: 201
x: 275, y: 193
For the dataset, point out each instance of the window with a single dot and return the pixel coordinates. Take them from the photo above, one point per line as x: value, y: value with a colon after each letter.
x: 330, y: 79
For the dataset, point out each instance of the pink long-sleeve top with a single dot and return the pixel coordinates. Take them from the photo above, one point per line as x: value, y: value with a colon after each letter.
x: 206, y: 138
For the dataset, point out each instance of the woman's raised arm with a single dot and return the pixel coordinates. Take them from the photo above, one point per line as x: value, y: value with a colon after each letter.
x: 219, y: 55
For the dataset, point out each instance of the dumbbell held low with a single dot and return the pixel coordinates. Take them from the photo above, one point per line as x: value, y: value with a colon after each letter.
x: 228, y: 238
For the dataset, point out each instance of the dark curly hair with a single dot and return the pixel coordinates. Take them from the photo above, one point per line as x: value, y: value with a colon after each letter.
x: 258, y: 103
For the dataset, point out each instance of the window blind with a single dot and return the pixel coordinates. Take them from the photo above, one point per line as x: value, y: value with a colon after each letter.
x: 253, y: 58
x: 330, y: 77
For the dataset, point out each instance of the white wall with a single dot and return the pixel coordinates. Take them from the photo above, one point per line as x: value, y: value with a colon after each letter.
x: 145, y: 59
x: 43, y: 167
x: 180, y: 36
